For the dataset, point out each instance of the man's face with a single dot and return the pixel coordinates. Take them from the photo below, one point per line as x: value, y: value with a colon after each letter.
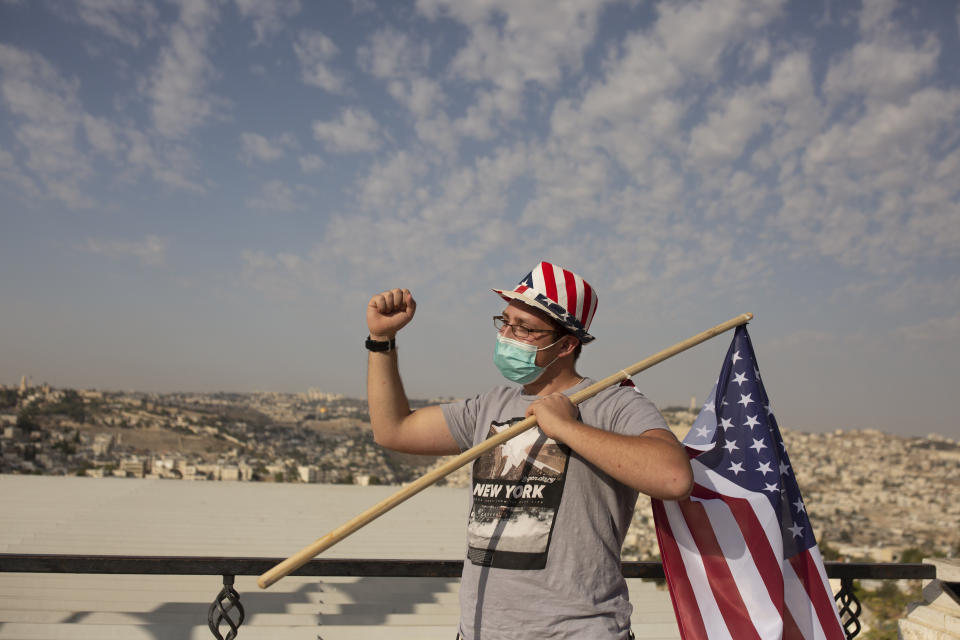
x: 543, y: 334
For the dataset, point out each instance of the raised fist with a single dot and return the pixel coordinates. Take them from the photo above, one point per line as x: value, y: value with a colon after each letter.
x: 388, y: 312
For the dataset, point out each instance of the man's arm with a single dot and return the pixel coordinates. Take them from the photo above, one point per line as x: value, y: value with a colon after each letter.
x: 654, y: 462
x: 394, y: 425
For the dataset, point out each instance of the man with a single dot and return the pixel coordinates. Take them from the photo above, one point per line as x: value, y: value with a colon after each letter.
x: 551, y: 507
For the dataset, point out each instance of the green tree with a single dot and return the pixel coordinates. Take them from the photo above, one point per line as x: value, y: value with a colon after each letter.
x: 913, y: 554
x: 828, y: 552
x: 8, y: 398
x: 27, y: 420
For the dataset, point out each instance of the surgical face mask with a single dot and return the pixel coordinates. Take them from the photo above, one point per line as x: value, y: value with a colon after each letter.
x: 517, y: 360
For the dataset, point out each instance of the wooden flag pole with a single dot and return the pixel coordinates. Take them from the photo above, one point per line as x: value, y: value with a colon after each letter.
x: 303, y: 556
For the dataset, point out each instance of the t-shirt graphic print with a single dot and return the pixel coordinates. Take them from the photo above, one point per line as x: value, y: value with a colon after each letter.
x: 517, y: 488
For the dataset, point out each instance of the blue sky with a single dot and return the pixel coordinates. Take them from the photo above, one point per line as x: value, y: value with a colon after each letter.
x: 204, y: 195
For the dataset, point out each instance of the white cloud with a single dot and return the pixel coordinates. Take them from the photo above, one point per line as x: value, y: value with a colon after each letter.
x: 178, y: 86
x: 875, y: 17
x: 390, y: 54
x: 63, y: 142
x: 151, y: 251
x: 726, y: 131
x: 882, y: 69
x: 695, y: 34
x: 315, y: 51
x: 867, y: 192
x: 47, y: 115
x: 355, y: 131
x: 311, y: 163
x: 510, y: 45
x: 128, y: 21
x: 636, y: 110
x: 757, y: 54
x: 888, y: 134
x: 275, y: 195
x: 102, y: 135
x: 798, y: 112
x: 862, y: 188
x: 569, y: 188
x: 406, y: 226
x: 11, y: 173
x: 437, y: 131
x: 268, y: 16
x: 256, y: 147
x: 169, y: 164
x: 421, y: 96
x: 389, y: 183
x: 885, y: 63
x: 399, y: 60
x: 471, y: 199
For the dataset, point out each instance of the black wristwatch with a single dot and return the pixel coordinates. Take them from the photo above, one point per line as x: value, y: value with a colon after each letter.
x: 380, y: 345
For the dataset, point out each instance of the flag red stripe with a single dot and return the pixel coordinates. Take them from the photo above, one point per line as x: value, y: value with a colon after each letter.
x: 549, y: 283
x: 820, y: 596
x: 571, y: 286
x: 724, y: 587
x: 681, y: 593
x: 587, y: 301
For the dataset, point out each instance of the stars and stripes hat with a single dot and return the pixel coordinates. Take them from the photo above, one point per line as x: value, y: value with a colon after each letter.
x: 562, y: 294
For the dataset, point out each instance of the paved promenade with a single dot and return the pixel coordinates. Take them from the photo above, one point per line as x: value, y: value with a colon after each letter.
x: 155, y: 517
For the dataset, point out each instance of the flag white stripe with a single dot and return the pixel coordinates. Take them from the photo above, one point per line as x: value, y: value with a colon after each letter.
x: 761, y: 609
x: 761, y: 508
x: 696, y: 574
x: 561, y: 284
x: 800, y: 605
x: 538, y: 282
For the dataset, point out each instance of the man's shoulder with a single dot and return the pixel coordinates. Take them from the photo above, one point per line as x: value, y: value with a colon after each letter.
x: 619, y: 403
x: 625, y: 392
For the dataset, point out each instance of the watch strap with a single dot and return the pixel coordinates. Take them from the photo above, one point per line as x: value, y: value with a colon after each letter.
x: 380, y: 345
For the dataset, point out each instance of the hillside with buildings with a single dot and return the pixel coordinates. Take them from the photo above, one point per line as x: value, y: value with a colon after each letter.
x: 870, y: 495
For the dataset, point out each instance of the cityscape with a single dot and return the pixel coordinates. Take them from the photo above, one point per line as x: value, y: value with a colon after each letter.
x: 871, y: 495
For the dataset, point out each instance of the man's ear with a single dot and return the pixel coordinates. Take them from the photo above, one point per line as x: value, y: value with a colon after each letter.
x: 569, y: 345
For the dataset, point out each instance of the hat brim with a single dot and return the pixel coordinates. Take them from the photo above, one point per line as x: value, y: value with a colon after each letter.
x: 566, y: 322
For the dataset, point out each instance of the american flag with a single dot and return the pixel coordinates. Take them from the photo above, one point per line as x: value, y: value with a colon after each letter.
x: 740, y: 556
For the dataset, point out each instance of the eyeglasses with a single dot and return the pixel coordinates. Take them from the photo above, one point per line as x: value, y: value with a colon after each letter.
x: 519, y: 330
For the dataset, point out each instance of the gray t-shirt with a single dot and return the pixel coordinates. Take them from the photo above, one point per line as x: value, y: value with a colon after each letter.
x: 546, y: 526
